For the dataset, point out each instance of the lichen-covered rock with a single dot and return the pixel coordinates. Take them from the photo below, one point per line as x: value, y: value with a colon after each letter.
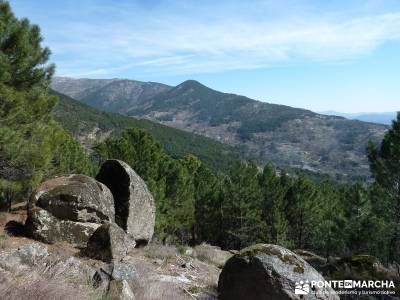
x: 267, y: 271
x: 69, y: 208
x: 71, y: 267
x: 23, y: 257
x: 124, y: 271
x: 316, y: 261
x: 32, y: 252
x: 360, y: 267
x: 120, y: 290
x: 109, y: 242
x: 114, y: 271
x: 134, y: 204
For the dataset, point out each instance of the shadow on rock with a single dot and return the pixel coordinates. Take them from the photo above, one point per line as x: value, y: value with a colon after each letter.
x: 14, y: 228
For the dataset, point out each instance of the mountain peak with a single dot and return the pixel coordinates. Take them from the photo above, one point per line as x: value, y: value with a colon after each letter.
x: 291, y: 137
x: 191, y: 84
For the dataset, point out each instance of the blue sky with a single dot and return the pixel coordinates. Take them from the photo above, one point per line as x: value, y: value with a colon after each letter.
x: 321, y: 55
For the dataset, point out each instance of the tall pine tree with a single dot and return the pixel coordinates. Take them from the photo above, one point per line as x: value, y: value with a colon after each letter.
x: 385, y: 167
x: 273, y: 206
x: 242, y: 220
x: 30, y: 141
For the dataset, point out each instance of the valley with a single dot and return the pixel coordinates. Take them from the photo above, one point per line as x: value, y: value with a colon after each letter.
x: 284, y: 136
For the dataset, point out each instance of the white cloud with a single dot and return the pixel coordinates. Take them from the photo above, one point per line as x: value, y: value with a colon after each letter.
x: 167, y: 43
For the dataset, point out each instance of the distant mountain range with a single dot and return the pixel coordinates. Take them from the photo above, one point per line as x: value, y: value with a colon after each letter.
x: 283, y: 135
x: 90, y: 126
x: 385, y: 118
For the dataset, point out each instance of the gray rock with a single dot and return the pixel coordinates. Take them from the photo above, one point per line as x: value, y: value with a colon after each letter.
x: 69, y: 208
x: 134, y: 204
x: 267, y: 271
x: 360, y: 267
x: 109, y: 242
x: 113, y: 271
x: 71, y: 267
x: 124, y: 271
x: 32, y: 251
x: 26, y: 256
x: 120, y: 290
x: 102, y: 277
x: 12, y: 263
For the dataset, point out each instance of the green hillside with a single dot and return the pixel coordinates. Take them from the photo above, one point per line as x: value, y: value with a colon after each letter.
x: 287, y: 137
x: 216, y: 108
x: 83, y: 120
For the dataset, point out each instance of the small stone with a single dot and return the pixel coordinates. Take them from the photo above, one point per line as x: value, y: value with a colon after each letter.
x: 189, y: 252
x: 102, y: 277
x: 33, y: 251
x: 113, y: 271
x: 120, y: 290
x: 124, y: 271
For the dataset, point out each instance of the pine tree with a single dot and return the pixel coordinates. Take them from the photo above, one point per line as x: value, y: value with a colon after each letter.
x: 179, y: 203
x: 242, y: 221
x: 208, y: 210
x: 29, y: 138
x: 328, y: 235
x: 302, y: 200
x: 273, y: 206
x: 385, y: 167
x: 381, y: 217
x: 23, y: 61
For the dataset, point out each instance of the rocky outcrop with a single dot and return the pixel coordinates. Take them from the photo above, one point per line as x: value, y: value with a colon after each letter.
x: 134, y: 204
x: 109, y: 242
x: 272, y: 272
x: 69, y: 208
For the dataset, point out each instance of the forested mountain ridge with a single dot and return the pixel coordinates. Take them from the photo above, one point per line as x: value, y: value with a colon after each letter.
x: 119, y: 93
x: 286, y: 136
x: 91, y: 126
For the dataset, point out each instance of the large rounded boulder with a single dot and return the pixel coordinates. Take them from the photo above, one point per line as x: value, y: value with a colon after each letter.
x: 134, y: 204
x: 69, y: 208
x: 266, y: 271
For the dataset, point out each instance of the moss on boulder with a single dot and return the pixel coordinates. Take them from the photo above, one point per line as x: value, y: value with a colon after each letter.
x: 266, y: 271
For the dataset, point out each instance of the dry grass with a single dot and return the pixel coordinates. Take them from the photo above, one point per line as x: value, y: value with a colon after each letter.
x: 17, y: 216
x: 53, y: 280
x: 34, y: 286
x: 3, y: 240
x: 156, y: 251
x: 211, y: 254
x: 156, y: 290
